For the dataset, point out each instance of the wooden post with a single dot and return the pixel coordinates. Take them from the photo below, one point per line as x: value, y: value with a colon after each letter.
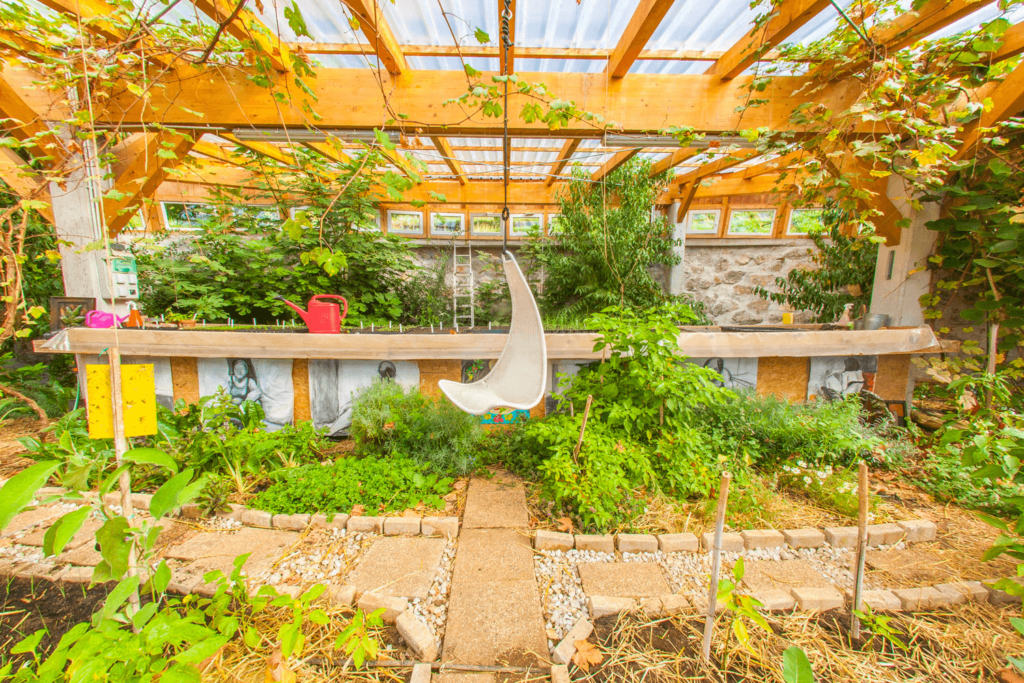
x: 120, y: 448
x: 716, y: 564
x: 862, y: 545
x: 583, y: 428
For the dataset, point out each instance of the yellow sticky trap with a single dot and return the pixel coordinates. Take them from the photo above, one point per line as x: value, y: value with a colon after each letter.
x: 138, y: 393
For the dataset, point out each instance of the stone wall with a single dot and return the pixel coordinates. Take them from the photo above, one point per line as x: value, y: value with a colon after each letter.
x: 722, y: 273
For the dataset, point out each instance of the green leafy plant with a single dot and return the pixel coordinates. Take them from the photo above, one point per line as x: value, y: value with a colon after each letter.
x: 878, y: 626
x: 743, y: 608
x: 796, y: 668
x: 377, y: 484
x: 831, y: 488
x: 843, y: 272
x: 356, y: 640
x: 392, y: 420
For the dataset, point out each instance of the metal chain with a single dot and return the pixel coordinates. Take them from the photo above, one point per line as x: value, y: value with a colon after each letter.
x: 506, y: 42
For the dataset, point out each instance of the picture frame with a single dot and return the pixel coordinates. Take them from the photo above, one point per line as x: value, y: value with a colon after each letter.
x: 444, y: 224
x: 405, y: 222
x: 485, y: 225
x: 60, y: 304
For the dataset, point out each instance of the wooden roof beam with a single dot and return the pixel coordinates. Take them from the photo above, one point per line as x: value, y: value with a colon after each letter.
x: 934, y: 15
x: 787, y: 17
x: 331, y: 150
x: 378, y: 33
x: 613, y: 163
x: 568, y: 149
x: 715, y: 166
x: 673, y: 160
x: 142, y: 175
x: 449, y: 158
x: 641, y: 27
x: 266, y: 149
x: 776, y: 165
x: 1013, y: 43
x: 246, y: 27
x: 24, y: 181
x: 510, y: 66
x: 28, y: 126
x: 1007, y: 100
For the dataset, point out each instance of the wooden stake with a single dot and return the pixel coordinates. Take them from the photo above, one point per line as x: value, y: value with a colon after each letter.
x: 120, y: 448
x: 583, y: 428
x: 862, y: 545
x: 716, y: 565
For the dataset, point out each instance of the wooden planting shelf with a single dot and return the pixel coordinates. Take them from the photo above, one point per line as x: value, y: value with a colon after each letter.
x: 695, y: 342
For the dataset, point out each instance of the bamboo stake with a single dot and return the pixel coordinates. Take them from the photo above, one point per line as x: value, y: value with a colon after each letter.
x: 716, y: 565
x: 862, y: 545
x: 120, y: 448
x: 583, y: 428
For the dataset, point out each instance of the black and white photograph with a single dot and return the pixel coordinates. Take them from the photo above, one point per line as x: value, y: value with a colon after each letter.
x: 267, y: 381
x: 334, y: 383
x: 736, y: 373
x: 833, y: 377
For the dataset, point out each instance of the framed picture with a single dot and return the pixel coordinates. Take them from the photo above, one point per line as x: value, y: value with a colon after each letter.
x: 554, y: 224
x: 485, y: 225
x: 703, y: 222
x: 752, y: 222
x: 69, y: 311
x: 447, y: 224
x: 405, y: 222
x: 526, y: 224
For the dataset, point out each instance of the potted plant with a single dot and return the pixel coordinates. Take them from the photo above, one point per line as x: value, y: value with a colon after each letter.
x: 183, y: 321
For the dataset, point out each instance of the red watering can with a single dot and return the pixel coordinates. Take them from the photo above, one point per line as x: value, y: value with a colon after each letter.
x: 322, y: 317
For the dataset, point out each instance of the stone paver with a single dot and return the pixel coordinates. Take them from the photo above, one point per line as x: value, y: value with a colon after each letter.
x: 553, y: 540
x: 504, y: 509
x: 82, y: 536
x: 924, y: 598
x: 445, y: 527
x: 877, y: 600
x: 664, y: 606
x: 256, y: 518
x: 82, y: 556
x: 393, y: 606
x: 231, y: 511
x: 344, y: 594
x: 398, y: 566
x: 417, y: 636
x: 637, y: 543
x: 420, y: 674
x: 398, y: 526
x: 731, y: 542
x: 77, y: 575
x: 817, y: 599
x: 884, y: 534
x: 764, y: 575
x: 776, y: 600
x: 560, y: 674
x: 918, y: 530
x: 841, y: 536
x: 489, y: 621
x: 567, y: 648
x: 602, y: 543
x: 804, y: 538
x: 676, y: 543
x: 365, y: 525
x: 762, y: 538
x: 266, y: 546
x: 623, y: 580
x: 291, y: 522
x: 964, y: 591
x: 29, y: 518
x: 602, y: 606
x: 493, y: 555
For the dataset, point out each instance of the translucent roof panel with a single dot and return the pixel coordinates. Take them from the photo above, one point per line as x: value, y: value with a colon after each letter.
x: 585, y: 66
x: 564, y: 23
x: 702, y: 25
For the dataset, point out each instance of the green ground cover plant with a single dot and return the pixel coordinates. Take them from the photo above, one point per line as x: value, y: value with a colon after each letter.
x: 391, y: 420
x: 380, y: 484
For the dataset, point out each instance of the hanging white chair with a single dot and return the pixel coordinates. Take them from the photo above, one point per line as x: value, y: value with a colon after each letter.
x: 518, y: 377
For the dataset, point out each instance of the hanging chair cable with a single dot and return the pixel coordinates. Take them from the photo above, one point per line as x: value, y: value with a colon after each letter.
x: 506, y: 43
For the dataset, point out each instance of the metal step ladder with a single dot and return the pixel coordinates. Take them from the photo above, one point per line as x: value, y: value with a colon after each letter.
x: 463, y: 297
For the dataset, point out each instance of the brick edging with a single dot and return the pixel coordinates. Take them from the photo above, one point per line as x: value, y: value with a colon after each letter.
x: 911, y: 531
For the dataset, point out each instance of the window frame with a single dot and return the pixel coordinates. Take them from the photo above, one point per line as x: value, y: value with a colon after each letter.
x: 472, y: 228
x: 450, y: 214
x: 512, y: 223
x: 751, y: 235
x: 789, y: 222
x: 409, y: 212
x: 688, y: 221
x: 167, y: 220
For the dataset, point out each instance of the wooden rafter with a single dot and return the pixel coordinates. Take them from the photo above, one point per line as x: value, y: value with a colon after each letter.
x: 706, y: 103
x: 212, y: 151
x: 143, y: 174
x: 502, y: 66
x: 92, y: 12
x: 564, y: 155
x: 641, y: 27
x: 932, y: 16
x: 715, y: 166
x: 25, y: 124
x: 874, y: 191
x: 1007, y: 100
x: 1013, y: 43
x: 673, y: 160
x: 266, y: 149
x: 247, y: 27
x: 788, y: 16
x: 531, y: 52
x: 27, y: 47
x: 378, y: 33
x: 617, y: 160
x: 331, y: 150
x: 687, y: 194
x: 779, y: 163
x: 449, y: 158
x: 24, y: 181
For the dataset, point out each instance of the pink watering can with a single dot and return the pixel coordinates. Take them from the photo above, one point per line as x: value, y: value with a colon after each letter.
x: 101, y: 319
